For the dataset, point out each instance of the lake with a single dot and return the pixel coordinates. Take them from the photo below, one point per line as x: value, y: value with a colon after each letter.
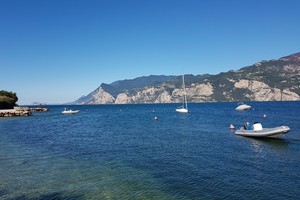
x: 121, y: 152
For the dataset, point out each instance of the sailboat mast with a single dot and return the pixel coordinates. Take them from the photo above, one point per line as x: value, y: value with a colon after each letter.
x: 185, y: 101
x: 183, y: 108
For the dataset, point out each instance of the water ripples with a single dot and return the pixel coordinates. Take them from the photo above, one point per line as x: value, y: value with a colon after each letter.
x: 121, y: 152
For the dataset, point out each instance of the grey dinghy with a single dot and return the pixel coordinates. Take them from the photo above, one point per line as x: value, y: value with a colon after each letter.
x: 265, y: 132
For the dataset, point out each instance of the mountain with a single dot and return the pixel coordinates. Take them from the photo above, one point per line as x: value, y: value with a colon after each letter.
x: 106, y: 93
x: 140, y: 82
x: 272, y: 80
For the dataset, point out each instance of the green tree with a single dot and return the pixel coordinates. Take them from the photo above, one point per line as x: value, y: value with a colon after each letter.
x: 7, y: 99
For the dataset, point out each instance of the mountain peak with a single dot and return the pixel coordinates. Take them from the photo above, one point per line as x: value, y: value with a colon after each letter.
x: 292, y: 57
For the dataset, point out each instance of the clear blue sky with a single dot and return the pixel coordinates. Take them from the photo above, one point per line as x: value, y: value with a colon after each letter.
x: 55, y: 51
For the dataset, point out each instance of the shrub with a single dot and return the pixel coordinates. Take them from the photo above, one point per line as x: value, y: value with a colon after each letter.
x: 7, y: 99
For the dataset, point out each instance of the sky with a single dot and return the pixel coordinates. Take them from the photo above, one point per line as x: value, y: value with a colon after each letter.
x: 55, y: 51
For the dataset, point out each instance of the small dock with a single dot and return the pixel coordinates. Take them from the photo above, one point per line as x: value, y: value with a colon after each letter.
x: 39, y: 109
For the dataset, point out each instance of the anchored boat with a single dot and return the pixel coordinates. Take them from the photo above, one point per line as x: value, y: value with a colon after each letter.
x: 258, y: 131
x: 243, y: 107
x: 69, y: 111
x: 184, y: 107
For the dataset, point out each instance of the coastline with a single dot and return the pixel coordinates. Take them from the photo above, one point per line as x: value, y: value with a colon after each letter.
x: 14, y: 113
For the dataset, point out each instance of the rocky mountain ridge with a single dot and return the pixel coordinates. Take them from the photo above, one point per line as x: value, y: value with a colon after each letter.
x: 272, y: 80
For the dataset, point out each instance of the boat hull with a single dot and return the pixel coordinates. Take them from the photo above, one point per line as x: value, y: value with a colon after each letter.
x: 182, y: 110
x: 265, y: 132
x: 70, y: 111
x: 243, y: 107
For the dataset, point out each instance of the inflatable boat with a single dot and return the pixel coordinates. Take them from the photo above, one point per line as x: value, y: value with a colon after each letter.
x: 258, y: 131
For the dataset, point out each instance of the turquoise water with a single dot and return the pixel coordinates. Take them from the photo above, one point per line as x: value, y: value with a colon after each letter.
x: 121, y: 152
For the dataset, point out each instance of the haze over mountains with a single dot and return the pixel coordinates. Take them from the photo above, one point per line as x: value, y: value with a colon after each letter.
x: 272, y: 80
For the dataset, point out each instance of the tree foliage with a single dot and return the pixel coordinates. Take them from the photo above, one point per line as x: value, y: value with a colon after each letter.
x: 7, y: 99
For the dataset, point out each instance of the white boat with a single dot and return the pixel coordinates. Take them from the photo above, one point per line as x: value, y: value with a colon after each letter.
x: 69, y: 111
x: 259, y: 131
x: 184, y: 107
x: 182, y: 110
x: 243, y: 107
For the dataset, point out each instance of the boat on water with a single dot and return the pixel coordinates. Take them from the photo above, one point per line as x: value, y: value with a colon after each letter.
x: 69, y: 111
x: 184, y: 107
x: 259, y: 132
x: 243, y: 106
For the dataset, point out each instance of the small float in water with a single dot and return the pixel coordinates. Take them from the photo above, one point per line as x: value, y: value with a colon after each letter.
x: 258, y: 131
x: 69, y: 111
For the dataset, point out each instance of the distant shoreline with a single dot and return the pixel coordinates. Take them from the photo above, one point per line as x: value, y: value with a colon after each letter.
x: 70, y: 104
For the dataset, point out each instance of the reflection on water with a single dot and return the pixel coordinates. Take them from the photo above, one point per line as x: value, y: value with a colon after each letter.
x: 274, y: 143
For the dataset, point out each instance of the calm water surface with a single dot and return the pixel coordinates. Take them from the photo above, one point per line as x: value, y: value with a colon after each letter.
x: 121, y: 152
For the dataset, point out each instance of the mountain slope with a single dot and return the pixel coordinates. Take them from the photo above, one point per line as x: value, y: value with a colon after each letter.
x: 106, y: 92
x: 140, y: 82
x: 272, y: 80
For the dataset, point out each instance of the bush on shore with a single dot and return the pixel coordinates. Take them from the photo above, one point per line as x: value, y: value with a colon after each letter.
x: 7, y: 99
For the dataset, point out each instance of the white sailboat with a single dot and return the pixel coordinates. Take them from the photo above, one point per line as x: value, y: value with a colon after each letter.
x: 184, y: 107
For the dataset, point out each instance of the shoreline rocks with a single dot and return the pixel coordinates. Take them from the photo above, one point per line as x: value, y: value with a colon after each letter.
x: 14, y: 113
x: 18, y: 111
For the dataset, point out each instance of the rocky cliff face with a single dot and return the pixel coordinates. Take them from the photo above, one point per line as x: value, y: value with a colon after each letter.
x: 259, y: 91
x: 273, y: 80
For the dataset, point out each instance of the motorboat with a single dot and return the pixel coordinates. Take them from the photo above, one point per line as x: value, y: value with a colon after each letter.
x: 243, y: 107
x: 258, y: 131
x: 69, y: 111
